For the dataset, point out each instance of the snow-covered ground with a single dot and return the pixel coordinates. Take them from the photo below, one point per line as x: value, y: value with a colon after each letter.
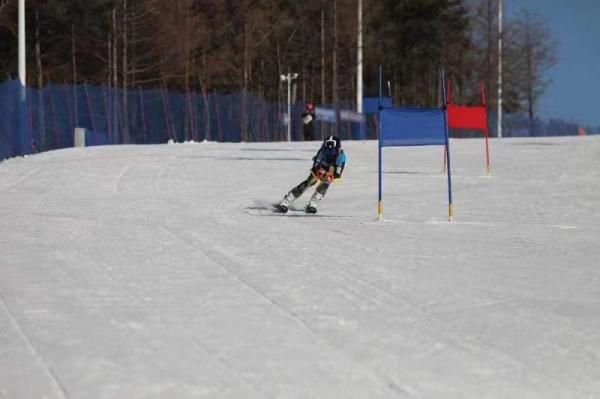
x: 153, y: 272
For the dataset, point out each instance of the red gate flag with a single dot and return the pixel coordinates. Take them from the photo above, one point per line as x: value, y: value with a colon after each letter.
x: 464, y: 117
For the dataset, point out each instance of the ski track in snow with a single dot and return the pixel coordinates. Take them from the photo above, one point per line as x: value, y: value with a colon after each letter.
x: 455, y: 337
x: 222, y: 260
x: 58, y: 388
x: 166, y: 261
x: 20, y: 180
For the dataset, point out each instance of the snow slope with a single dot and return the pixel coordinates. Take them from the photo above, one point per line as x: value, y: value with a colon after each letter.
x: 153, y: 272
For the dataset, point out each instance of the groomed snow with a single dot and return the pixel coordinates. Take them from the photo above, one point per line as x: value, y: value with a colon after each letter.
x: 153, y: 272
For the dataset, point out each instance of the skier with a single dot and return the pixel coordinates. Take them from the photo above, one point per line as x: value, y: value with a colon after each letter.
x: 308, y: 119
x: 328, y: 165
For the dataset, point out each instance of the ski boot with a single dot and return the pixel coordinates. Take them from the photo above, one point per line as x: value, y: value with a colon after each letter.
x: 284, y: 204
x: 314, y: 202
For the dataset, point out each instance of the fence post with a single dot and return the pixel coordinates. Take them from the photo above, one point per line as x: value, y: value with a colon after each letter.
x: 143, y: 115
x: 56, y: 137
x: 69, y: 111
x: 11, y: 139
x: 89, y: 104
x: 166, y: 112
x: 218, y: 116
x: 189, y: 114
x: 106, y: 116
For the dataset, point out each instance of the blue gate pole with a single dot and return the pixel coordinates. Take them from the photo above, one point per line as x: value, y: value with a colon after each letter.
x: 379, y: 203
x: 447, y: 140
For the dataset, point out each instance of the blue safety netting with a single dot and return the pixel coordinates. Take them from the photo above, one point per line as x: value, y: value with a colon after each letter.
x: 406, y: 126
x: 38, y: 120
x: 15, y: 132
x: 45, y: 119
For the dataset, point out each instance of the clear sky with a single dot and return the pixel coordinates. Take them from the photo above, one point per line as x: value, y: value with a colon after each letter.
x: 574, y: 93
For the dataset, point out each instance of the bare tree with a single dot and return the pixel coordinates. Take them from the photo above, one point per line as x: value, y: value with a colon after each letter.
x: 40, y: 83
x: 334, y: 55
x: 538, y: 55
x: 323, y: 98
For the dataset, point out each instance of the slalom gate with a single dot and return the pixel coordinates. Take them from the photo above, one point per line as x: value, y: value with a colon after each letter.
x: 464, y: 117
x: 413, y: 126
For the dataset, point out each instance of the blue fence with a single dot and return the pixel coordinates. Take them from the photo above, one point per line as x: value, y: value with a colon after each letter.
x: 35, y: 120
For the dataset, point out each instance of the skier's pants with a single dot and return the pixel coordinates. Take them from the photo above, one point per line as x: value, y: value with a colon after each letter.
x: 310, y: 181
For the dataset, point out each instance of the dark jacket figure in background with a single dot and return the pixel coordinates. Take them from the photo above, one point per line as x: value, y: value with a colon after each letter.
x: 328, y: 165
x: 308, y: 119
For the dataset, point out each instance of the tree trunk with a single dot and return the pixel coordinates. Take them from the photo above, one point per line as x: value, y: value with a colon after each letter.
x: 323, y: 99
x: 530, y: 99
x: 74, y: 63
x: 115, y: 86
x: 244, y: 131
x: 40, y: 82
x: 125, y: 124
x: 132, y: 80
x: 109, y: 84
x: 206, y: 108
x: 530, y: 77
x: 109, y: 58
x: 187, y: 50
x: 304, y: 72
x: 279, y: 73
x: 261, y: 85
x: 490, y: 45
x: 203, y: 87
x: 334, y: 85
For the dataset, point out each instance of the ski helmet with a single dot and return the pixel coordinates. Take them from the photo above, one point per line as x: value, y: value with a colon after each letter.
x: 310, y: 106
x: 332, y: 142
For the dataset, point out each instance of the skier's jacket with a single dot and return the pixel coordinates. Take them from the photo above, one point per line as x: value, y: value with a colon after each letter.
x: 329, y: 159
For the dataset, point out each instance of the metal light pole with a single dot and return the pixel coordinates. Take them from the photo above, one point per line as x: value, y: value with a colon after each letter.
x: 24, y: 140
x: 499, y: 68
x: 359, y: 62
x: 22, y: 76
x: 359, y: 68
x: 289, y: 77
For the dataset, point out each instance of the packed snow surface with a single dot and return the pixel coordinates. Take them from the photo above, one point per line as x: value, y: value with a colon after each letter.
x: 160, y: 272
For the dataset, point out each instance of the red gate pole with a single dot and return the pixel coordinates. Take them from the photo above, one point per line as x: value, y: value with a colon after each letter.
x: 486, y: 131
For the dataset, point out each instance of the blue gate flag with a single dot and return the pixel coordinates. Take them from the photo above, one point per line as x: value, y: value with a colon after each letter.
x: 412, y: 126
